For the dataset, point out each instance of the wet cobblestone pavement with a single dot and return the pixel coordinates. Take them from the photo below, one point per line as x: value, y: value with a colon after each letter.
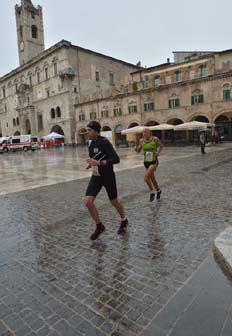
x: 55, y: 281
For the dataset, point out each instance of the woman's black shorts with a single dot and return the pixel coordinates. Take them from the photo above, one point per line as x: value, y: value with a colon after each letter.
x: 108, y: 182
x: 148, y: 164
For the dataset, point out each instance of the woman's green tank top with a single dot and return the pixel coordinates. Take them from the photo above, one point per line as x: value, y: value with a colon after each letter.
x: 149, y: 150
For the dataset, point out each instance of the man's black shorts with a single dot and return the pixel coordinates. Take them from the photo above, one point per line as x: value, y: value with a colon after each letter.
x: 97, y: 182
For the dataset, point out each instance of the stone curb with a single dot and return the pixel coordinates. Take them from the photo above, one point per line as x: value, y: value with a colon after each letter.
x: 223, y: 249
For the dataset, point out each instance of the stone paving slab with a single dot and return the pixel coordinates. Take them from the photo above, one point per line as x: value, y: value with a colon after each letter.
x: 223, y: 249
x: 54, y: 281
x: 202, y: 307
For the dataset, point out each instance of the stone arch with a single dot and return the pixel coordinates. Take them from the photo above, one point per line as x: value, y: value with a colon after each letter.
x: 178, y: 136
x: 151, y: 123
x: 82, y: 136
x: 223, y: 125
x: 106, y: 128
x: 117, y: 135
x: 17, y: 133
x: 57, y: 129
x: 175, y: 121
x: 200, y: 118
x: 133, y: 124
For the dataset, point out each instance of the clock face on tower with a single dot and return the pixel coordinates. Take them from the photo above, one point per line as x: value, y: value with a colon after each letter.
x: 21, y: 46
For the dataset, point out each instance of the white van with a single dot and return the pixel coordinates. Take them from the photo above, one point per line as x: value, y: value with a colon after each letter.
x: 20, y: 142
x: 3, y: 140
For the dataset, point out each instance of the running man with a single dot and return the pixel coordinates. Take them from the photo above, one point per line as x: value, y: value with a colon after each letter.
x: 102, y: 158
x: 151, y: 148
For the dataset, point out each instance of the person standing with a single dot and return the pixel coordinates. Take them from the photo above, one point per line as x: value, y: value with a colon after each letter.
x: 202, y: 142
x: 102, y: 157
x: 151, y: 148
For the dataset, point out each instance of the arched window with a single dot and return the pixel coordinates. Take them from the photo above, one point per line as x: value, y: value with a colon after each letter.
x: 14, y: 122
x: 58, y: 112
x: 17, y: 121
x: 34, y: 31
x: 53, y: 115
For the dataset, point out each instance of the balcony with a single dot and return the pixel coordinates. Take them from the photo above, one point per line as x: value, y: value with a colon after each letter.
x: 66, y: 73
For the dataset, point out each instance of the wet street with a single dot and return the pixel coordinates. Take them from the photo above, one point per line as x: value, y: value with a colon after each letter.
x: 160, y: 279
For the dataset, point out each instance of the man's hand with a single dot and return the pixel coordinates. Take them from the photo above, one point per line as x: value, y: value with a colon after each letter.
x: 92, y: 162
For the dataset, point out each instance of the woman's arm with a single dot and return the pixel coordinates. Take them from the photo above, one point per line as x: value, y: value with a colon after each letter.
x: 160, y: 146
x: 138, y: 146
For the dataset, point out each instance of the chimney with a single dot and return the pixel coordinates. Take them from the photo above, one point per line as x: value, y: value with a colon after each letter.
x: 168, y: 60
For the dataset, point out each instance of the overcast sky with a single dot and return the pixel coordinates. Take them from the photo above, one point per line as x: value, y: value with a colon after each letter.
x: 131, y: 30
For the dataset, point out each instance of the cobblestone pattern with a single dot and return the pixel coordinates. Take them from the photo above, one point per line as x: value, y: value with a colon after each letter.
x: 54, y: 281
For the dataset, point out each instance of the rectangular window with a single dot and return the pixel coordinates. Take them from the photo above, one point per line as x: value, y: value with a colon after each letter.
x: 55, y: 69
x: 30, y: 81
x: 4, y: 92
x: 81, y: 117
x: 226, y: 94
x: 198, y: 99
x: 117, y: 111
x: 97, y: 76
x: 111, y: 78
x: 203, y: 70
x: 132, y: 109
x: 148, y: 107
x: 93, y: 115
x: 178, y: 76
x: 173, y: 102
x: 104, y: 113
x: 157, y: 81
x: 145, y: 84
x: 191, y: 74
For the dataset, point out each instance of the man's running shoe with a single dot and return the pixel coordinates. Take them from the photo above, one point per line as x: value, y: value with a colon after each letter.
x: 158, y: 194
x: 99, y: 229
x: 123, y: 226
x: 152, y: 197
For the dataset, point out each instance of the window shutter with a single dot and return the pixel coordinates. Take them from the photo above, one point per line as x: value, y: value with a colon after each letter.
x: 169, y: 103
x: 192, y: 100
x: 201, y: 99
x: 177, y: 102
x: 145, y: 107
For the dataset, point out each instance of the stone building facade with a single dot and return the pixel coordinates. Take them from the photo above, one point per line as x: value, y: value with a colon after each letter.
x: 196, y: 88
x: 61, y: 88
x: 41, y: 94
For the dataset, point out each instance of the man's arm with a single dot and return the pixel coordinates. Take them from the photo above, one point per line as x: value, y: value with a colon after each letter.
x: 111, y: 155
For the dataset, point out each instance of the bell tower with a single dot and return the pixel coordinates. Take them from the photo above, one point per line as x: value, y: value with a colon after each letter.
x: 30, y: 32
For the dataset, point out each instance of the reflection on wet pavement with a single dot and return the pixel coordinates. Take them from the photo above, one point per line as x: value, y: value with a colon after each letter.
x: 153, y: 281
x: 20, y: 171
